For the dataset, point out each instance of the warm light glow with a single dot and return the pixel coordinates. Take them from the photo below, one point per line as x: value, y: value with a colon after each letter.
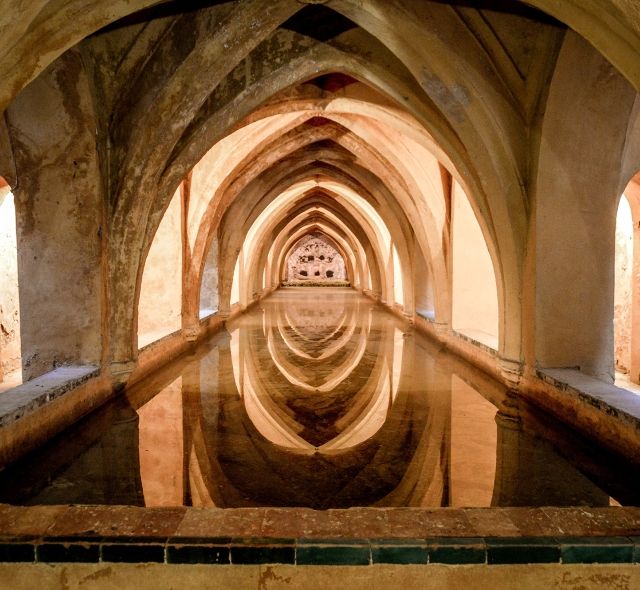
x: 160, y: 302
x: 475, y: 294
x: 624, y: 219
x: 235, y: 285
x: 622, y: 297
x: 10, y: 343
x: 398, y: 290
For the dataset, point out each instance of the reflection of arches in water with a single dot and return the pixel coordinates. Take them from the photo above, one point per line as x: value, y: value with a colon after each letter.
x: 335, y: 344
x: 96, y: 462
x: 284, y: 412
x: 305, y: 330
x: 248, y: 469
x: 297, y: 340
x: 325, y: 367
x: 296, y: 374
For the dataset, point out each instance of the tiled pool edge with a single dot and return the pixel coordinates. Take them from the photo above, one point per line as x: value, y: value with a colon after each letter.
x: 480, y: 551
x: 369, y: 536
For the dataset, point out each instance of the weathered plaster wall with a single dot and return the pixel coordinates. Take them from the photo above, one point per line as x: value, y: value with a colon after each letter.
x: 576, y: 200
x: 151, y: 576
x: 10, y: 351
x: 59, y: 205
x: 475, y: 295
x: 622, y: 293
x: 399, y: 277
x: 160, y: 304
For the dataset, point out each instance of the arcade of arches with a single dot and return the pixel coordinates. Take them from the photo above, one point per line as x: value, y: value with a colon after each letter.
x: 168, y: 164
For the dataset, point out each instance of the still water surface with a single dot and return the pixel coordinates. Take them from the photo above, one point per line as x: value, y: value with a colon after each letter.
x: 320, y: 398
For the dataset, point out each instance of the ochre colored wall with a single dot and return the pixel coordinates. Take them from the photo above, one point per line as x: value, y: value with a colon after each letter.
x: 60, y: 225
x: 423, y: 287
x: 274, y: 577
x: 209, y: 285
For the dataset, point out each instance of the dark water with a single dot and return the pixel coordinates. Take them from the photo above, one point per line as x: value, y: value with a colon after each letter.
x: 319, y: 398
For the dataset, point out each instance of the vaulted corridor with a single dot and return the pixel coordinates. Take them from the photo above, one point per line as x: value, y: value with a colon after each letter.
x: 321, y: 254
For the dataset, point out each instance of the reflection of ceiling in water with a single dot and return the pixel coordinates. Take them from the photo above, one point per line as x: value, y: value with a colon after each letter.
x: 317, y: 395
x: 314, y: 420
x: 318, y: 320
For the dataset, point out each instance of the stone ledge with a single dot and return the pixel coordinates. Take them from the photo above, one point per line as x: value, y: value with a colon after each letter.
x: 481, y: 345
x: 161, y: 340
x: 299, y: 536
x: 24, y: 399
x: 312, y: 283
x: 606, y: 397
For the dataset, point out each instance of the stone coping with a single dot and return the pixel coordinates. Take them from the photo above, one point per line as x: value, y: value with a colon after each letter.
x: 312, y: 283
x: 488, y: 349
x: 430, y: 316
x: 606, y: 397
x: 24, y: 399
x: 162, y: 339
x: 356, y: 536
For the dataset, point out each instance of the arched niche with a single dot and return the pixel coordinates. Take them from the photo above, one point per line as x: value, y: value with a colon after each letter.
x: 626, y: 311
x: 10, y: 347
x: 474, y: 291
x: 160, y: 301
x: 209, y: 282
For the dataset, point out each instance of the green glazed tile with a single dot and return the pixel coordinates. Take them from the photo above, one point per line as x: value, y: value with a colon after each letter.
x: 247, y: 554
x: 332, y: 555
x: 14, y: 552
x: 597, y: 550
x: 457, y: 554
x: 522, y: 550
x: 399, y: 554
x: 60, y: 553
x: 341, y: 541
x: 262, y: 541
x: 132, y: 553
x: 197, y: 554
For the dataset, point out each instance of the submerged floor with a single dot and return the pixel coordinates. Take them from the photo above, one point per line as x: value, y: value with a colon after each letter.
x: 320, y: 398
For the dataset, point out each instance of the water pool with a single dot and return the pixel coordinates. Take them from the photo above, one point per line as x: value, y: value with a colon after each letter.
x: 320, y: 398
